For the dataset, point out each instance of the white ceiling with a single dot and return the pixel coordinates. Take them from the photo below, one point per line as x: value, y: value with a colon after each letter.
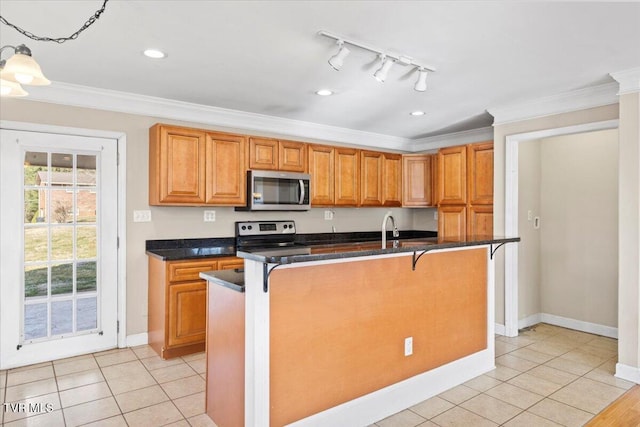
x: 266, y: 57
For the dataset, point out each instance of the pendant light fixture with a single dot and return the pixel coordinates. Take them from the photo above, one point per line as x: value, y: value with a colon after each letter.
x: 388, y: 60
x: 21, y: 68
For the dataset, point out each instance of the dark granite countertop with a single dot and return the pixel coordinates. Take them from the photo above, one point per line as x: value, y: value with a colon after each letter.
x: 179, y: 249
x: 232, y: 279
x: 340, y: 250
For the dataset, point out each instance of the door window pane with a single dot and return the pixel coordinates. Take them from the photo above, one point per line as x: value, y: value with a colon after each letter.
x: 36, y: 168
x: 62, y: 169
x: 61, y: 206
x: 86, y: 242
x: 86, y: 276
x: 61, y: 317
x: 61, y: 279
x: 86, y: 205
x: 36, y: 243
x: 86, y: 314
x: 61, y: 243
x: 36, y: 283
x: 35, y: 321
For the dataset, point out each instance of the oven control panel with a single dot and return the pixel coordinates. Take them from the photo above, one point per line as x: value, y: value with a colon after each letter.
x: 264, y: 228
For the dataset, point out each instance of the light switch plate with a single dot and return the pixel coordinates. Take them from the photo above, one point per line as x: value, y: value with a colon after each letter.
x: 328, y: 215
x: 142, y: 216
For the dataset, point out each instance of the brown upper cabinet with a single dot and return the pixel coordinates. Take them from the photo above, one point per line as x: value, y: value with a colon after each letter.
x: 418, y: 180
x: 191, y: 167
x: 480, y: 173
x: 322, y: 171
x: 347, y: 181
x: 452, y: 176
x: 380, y: 179
x: 273, y: 154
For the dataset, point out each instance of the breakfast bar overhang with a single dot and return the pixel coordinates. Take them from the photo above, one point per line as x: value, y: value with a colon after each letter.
x: 347, y: 334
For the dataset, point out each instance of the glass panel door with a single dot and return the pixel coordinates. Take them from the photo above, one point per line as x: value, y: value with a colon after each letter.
x: 61, y: 286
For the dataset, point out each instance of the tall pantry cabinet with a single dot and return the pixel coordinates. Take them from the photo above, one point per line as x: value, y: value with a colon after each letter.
x: 465, y: 191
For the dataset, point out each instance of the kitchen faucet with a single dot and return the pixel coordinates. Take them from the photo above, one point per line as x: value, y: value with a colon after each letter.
x: 384, y: 228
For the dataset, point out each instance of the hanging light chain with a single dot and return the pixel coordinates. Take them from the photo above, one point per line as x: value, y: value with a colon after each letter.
x: 73, y: 36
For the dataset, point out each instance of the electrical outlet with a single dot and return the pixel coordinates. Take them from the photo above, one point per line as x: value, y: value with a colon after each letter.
x: 328, y: 215
x: 209, y: 216
x: 141, y: 216
x: 408, y: 346
x: 435, y: 214
x: 529, y: 215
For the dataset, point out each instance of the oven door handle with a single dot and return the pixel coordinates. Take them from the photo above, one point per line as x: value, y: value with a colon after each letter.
x: 301, y: 182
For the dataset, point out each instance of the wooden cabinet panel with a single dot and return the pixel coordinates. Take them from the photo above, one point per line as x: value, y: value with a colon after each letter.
x: 292, y: 156
x: 480, y: 220
x: 189, y: 270
x: 226, y: 169
x: 452, y: 222
x: 322, y: 171
x: 480, y: 173
x: 417, y: 180
x: 347, y: 183
x: 263, y: 153
x: 371, y: 178
x: 392, y: 180
x: 176, y: 166
x: 452, y: 176
x: 230, y: 264
x: 187, y: 312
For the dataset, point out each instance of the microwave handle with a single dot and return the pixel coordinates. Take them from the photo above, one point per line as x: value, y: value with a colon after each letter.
x: 301, y: 191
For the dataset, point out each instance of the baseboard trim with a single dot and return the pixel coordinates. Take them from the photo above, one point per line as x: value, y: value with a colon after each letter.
x: 579, y: 325
x: 534, y: 319
x: 500, y: 329
x: 137, y: 339
x: 628, y: 373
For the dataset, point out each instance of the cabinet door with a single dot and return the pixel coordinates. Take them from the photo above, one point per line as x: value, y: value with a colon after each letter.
x: 263, y: 153
x: 187, y: 313
x: 480, y: 173
x: 230, y: 263
x: 188, y: 270
x: 452, y: 176
x: 392, y: 180
x: 371, y: 178
x: 226, y: 169
x: 417, y: 179
x: 480, y: 221
x: 452, y: 222
x: 322, y: 171
x: 176, y: 166
x: 347, y: 183
x: 292, y: 156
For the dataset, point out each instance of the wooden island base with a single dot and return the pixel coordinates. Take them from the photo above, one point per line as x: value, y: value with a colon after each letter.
x: 330, y: 335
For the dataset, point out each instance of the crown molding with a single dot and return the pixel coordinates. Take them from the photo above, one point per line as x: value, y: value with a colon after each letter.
x: 123, y: 102
x: 451, y: 139
x: 576, y: 100
x: 629, y: 80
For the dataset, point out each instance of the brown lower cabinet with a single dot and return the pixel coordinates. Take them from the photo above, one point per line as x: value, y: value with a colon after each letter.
x: 177, y: 303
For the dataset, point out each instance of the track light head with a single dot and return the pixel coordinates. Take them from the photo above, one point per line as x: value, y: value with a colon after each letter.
x: 421, y: 84
x: 337, y: 60
x: 383, y: 71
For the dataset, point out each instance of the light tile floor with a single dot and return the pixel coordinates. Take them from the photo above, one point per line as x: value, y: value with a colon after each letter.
x: 548, y: 376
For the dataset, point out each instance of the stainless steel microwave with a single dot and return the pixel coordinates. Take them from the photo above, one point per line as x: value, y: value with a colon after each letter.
x: 277, y: 191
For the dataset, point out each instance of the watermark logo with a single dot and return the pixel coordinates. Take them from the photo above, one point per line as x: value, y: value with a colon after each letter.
x: 31, y: 407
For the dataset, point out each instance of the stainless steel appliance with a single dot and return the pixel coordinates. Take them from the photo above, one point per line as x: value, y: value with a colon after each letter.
x: 269, y: 238
x: 277, y: 191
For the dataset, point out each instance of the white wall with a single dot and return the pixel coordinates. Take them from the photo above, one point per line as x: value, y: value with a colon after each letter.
x: 579, y: 231
x: 529, y: 246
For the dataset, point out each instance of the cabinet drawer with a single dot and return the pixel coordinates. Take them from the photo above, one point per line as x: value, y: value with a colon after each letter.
x: 230, y: 264
x: 190, y: 270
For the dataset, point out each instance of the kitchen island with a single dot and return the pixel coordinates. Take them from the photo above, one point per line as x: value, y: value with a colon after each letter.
x: 347, y: 334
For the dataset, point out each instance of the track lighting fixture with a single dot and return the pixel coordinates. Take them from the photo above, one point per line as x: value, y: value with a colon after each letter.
x: 383, y: 71
x: 421, y: 84
x: 388, y: 59
x: 337, y: 60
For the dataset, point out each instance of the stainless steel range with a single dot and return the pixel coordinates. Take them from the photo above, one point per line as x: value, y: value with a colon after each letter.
x: 269, y: 238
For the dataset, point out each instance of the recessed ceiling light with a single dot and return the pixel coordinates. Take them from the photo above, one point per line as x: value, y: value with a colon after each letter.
x: 417, y: 113
x: 154, y: 53
x: 324, y: 92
